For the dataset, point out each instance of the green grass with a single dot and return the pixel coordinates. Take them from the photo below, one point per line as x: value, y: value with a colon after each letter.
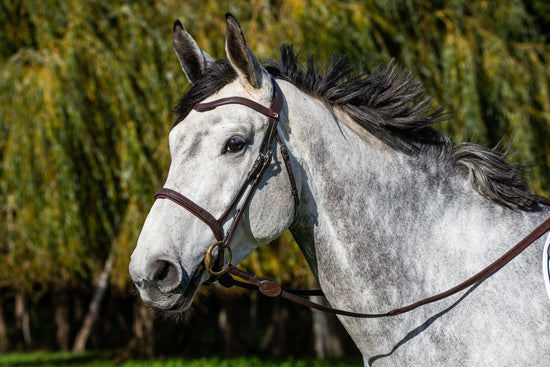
x: 97, y: 359
x: 40, y: 358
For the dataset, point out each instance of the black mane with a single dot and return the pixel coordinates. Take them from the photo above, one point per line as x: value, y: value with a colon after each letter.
x: 390, y: 104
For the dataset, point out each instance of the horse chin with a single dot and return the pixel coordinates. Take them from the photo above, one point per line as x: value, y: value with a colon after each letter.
x: 181, y: 305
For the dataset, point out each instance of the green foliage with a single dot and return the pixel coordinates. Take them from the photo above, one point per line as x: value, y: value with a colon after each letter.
x: 79, y: 112
x: 87, y: 88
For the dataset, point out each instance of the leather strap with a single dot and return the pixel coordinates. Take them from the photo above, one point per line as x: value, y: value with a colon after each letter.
x: 237, y: 100
x: 272, y: 289
x: 488, y: 271
x: 294, y: 190
x: 194, y: 208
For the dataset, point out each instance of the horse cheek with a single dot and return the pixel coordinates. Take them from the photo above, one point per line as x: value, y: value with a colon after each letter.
x: 271, y: 213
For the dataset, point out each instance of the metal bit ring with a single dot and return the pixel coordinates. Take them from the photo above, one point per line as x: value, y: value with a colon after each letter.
x: 208, y: 259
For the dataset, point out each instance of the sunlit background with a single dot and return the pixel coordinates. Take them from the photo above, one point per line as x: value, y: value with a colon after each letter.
x: 86, y: 94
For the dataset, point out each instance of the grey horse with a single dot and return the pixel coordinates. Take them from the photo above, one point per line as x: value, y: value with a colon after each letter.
x: 390, y: 210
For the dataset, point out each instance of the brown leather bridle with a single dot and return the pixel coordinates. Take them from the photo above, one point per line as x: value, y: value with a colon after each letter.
x: 224, y: 272
x: 249, y: 186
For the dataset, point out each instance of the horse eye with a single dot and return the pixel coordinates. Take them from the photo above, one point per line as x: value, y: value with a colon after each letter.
x: 234, y: 144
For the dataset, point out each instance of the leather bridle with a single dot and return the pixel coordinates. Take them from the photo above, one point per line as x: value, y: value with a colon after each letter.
x: 224, y: 272
x: 249, y: 186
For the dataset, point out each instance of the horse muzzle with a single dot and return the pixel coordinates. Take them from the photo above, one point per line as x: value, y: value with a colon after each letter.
x: 164, y: 284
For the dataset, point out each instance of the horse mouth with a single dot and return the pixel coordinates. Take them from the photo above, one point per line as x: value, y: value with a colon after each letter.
x: 183, y: 300
x: 178, y: 300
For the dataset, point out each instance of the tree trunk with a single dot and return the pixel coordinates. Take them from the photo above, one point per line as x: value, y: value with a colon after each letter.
x: 229, y: 327
x: 4, y: 341
x: 267, y: 339
x: 62, y: 314
x: 326, y: 342
x: 141, y: 345
x: 95, y: 305
x: 252, y: 334
x: 275, y: 337
x: 280, y: 349
x: 22, y: 321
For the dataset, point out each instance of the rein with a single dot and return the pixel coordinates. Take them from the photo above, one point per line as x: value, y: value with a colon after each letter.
x: 224, y: 272
x: 272, y: 289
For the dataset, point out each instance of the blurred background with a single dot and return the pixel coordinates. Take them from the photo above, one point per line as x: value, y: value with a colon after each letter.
x: 86, y: 94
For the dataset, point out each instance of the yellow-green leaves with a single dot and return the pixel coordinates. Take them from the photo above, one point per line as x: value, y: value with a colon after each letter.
x: 87, y: 89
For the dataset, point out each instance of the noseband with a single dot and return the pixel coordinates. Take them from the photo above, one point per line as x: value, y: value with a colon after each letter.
x: 249, y: 186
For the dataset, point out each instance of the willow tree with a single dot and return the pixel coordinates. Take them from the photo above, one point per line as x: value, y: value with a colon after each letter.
x: 84, y: 86
x: 487, y: 61
x: 87, y: 89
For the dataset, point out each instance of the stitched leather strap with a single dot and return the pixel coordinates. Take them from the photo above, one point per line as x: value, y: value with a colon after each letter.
x: 236, y: 100
x: 490, y: 270
x: 194, y: 208
x: 272, y: 289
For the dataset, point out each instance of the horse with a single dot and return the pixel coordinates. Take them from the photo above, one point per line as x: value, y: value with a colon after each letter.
x: 385, y: 208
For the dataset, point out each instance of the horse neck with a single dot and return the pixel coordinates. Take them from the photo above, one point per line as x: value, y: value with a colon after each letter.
x: 359, y: 195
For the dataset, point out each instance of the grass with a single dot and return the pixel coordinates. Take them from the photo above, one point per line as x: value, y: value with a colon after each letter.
x: 99, y: 359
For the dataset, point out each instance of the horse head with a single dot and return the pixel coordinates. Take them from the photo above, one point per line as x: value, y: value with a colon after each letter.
x: 224, y: 168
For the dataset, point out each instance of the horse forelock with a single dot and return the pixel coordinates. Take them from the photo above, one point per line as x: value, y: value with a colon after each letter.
x: 390, y: 104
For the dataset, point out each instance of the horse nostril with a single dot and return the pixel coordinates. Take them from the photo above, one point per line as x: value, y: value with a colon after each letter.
x: 166, y: 275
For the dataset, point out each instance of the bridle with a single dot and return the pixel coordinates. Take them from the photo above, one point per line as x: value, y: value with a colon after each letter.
x: 249, y: 186
x: 224, y: 272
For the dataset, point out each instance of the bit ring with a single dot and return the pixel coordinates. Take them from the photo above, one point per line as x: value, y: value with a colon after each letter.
x: 208, y: 259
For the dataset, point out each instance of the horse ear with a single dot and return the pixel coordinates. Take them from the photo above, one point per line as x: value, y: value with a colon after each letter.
x: 194, y: 61
x: 241, y: 57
